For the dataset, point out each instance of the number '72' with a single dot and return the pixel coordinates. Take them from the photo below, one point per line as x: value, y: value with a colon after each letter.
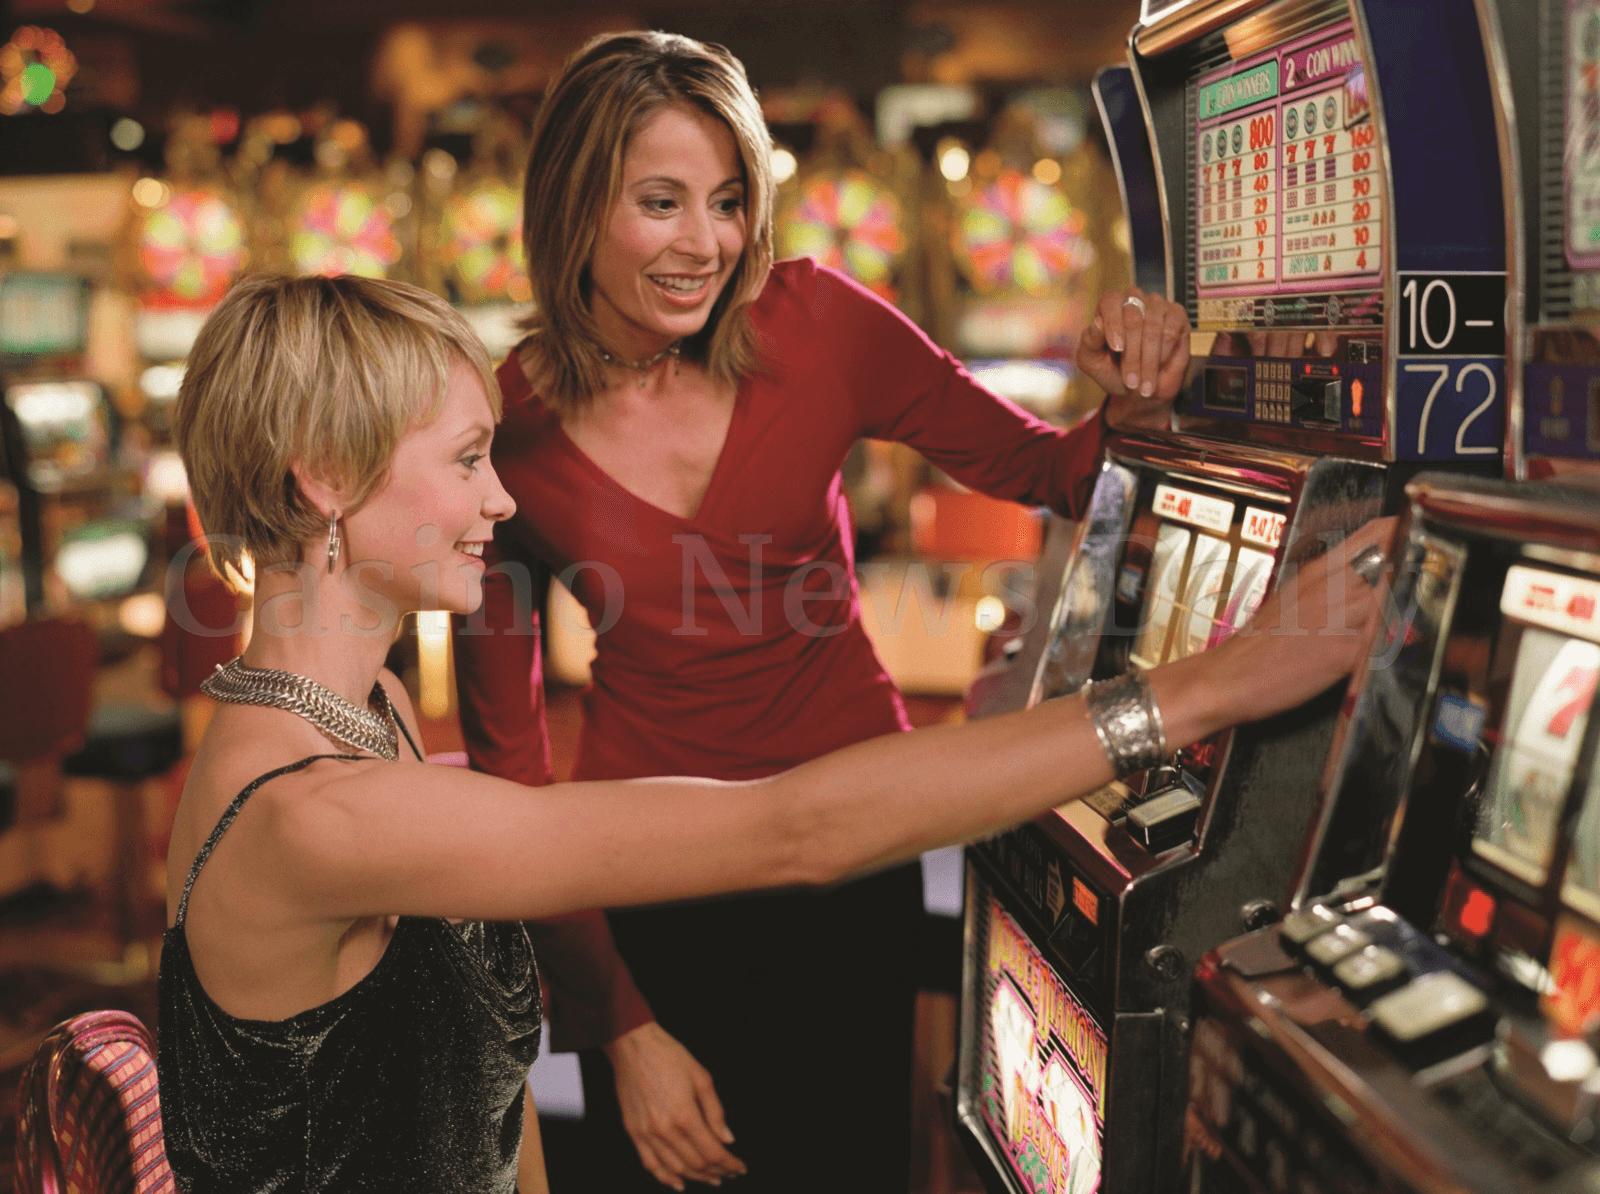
x: 1442, y: 373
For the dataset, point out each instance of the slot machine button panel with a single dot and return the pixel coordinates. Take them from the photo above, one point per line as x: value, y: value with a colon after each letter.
x: 1431, y: 1006
x: 1301, y: 926
x: 1370, y: 971
x: 1336, y: 944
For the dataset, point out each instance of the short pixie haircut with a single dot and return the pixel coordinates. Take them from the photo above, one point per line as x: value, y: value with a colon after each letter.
x: 322, y: 374
x: 602, y: 96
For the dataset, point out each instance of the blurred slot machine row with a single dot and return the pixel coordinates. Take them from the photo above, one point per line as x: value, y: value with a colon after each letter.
x: 1280, y: 166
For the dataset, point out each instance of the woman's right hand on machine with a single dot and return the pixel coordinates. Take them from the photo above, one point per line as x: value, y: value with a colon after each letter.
x: 1311, y: 631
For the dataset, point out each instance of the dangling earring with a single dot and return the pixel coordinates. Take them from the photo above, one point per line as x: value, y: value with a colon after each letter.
x: 333, y: 539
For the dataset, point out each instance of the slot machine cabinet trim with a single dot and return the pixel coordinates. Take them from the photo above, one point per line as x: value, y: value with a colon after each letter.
x: 1189, y: 23
x: 1391, y: 231
x: 1508, y: 132
x: 1350, y: 732
x: 1145, y: 268
x: 1163, y: 198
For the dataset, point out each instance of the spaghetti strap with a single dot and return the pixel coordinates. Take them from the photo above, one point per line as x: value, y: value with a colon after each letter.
x: 411, y: 742
x: 231, y: 812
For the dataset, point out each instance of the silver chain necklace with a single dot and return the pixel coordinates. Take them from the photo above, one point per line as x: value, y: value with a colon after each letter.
x: 236, y: 683
x: 643, y: 367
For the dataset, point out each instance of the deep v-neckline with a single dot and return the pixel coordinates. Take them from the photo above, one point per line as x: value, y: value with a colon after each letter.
x: 717, y: 469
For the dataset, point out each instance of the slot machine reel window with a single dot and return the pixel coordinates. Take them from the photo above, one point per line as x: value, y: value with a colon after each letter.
x: 65, y: 427
x: 1287, y: 195
x: 1196, y: 569
x: 1551, y: 635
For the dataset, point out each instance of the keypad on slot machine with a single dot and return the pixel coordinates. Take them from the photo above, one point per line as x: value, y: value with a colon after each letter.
x: 1414, y: 993
x: 1273, y: 396
x: 1268, y: 1128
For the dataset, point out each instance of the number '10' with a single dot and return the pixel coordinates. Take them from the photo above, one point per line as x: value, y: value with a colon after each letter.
x: 1419, y: 309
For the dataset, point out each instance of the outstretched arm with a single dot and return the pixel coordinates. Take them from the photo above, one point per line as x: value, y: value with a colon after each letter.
x: 365, y: 838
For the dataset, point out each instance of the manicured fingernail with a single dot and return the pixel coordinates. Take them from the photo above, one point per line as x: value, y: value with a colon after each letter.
x: 1132, y: 380
x: 1115, y: 342
x: 1147, y: 389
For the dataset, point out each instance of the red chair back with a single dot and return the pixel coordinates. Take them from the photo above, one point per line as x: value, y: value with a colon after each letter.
x: 46, y: 686
x: 90, y: 1112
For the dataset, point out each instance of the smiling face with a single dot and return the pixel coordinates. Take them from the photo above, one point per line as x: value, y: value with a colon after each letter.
x: 437, y: 509
x: 674, y: 235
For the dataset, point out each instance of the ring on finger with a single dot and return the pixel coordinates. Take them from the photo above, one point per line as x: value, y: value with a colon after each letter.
x: 1134, y: 300
x: 1368, y: 564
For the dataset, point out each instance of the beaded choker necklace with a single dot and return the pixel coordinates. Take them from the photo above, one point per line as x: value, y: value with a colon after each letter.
x: 236, y: 683
x: 643, y: 367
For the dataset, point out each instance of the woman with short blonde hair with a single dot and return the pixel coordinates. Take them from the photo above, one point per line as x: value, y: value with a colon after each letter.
x: 676, y: 421
x: 347, y: 1000
x: 336, y: 406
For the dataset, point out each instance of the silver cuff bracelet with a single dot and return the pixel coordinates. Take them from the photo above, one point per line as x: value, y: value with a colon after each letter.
x: 1127, y: 722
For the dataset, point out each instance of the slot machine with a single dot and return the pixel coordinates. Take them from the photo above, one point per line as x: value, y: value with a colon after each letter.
x: 1424, y: 1018
x: 1349, y: 329
x: 87, y: 534
x: 1435, y: 984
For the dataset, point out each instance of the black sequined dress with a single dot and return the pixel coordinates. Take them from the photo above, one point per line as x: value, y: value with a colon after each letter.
x: 412, y: 1080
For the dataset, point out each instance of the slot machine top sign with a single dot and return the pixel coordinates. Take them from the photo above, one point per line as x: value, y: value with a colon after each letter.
x: 1343, y: 303
x: 1290, y: 197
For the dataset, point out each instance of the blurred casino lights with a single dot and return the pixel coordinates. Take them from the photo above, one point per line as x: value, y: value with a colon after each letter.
x: 784, y: 165
x: 143, y: 614
x: 151, y: 192
x: 127, y: 134
x: 35, y: 68
x: 433, y: 663
x: 989, y: 614
x: 954, y: 161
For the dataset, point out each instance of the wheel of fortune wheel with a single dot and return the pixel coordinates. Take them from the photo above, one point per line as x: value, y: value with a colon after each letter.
x: 341, y: 229
x: 1016, y: 233
x: 849, y: 221
x: 192, y: 247
x: 480, y: 241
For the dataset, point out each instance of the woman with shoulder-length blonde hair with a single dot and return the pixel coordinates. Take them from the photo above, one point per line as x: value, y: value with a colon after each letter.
x: 676, y: 421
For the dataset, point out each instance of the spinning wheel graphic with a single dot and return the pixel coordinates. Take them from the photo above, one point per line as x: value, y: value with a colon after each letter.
x: 1019, y: 234
x: 340, y: 229
x: 191, y: 248
x: 850, y: 222
x: 480, y: 241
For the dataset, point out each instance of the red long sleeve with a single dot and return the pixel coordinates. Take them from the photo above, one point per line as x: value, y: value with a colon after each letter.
x: 911, y: 391
x: 500, y: 692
